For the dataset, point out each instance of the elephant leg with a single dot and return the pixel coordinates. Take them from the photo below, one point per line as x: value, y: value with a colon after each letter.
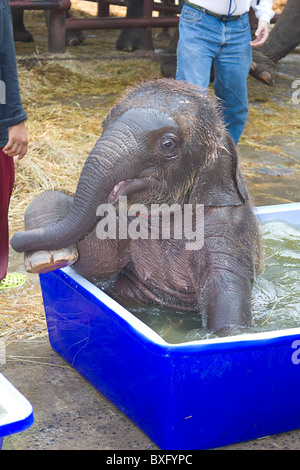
x: 131, y: 39
x: 48, y: 208
x: 284, y: 37
x: 227, y: 305
x: 95, y: 257
x: 169, y: 62
x: 20, y: 32
x: 225, y: 290
x: 73, y: 36
x: 45, y: 261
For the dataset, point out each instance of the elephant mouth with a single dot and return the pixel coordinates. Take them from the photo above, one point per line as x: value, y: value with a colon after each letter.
x: 132, y: 186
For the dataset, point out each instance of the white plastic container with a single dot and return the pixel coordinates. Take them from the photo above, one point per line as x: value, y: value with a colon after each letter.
x: 16, y: 413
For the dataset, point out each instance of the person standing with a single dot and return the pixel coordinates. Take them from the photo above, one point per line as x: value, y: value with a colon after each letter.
x: 13, y: 136
x: 217, y: 33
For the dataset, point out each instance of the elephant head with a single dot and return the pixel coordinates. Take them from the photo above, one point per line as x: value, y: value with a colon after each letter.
x: 163, y: 142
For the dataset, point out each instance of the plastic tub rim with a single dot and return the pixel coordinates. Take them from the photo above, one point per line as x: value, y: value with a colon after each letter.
x: 147, y: 332
x: 154, y: 337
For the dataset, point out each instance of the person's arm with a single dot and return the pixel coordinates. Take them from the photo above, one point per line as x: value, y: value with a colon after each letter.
x: 261, y: 34
x: 17, y: 141
x: 264, y: 13
x: 12, y: 114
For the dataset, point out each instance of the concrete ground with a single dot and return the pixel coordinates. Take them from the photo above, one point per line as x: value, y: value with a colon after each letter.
x: 70, y: 414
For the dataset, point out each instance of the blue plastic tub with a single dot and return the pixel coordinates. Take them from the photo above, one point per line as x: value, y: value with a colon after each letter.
x: 16, y: 413
x: 196, y: 395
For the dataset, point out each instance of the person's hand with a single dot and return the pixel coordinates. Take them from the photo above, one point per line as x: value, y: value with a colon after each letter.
x: 17, y: 141
x: 261, y: 34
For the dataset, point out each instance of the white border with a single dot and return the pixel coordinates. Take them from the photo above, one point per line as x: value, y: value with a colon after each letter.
x: 151, y: 335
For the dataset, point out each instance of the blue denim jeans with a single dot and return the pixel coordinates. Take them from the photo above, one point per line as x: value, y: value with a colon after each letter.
x: 205, y: 40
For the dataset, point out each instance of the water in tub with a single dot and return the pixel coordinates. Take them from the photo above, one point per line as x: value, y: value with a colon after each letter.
x: 276, y: 293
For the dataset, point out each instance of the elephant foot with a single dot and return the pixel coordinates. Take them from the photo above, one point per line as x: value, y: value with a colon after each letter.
x: 263, y: 68
x: 130, y: 40
x: 168, y: 66
x: 20, y: 32
x: 37, y: 262
x: 23, y: 35
x: 73, y: 38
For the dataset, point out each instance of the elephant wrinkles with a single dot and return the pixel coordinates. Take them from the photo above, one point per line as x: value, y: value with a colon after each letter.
x: 129, y: 286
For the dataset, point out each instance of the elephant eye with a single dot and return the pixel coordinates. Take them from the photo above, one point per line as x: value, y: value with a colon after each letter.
x: 169, y: 145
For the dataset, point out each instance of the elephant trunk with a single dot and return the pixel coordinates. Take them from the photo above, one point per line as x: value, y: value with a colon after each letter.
x: 99, y: 175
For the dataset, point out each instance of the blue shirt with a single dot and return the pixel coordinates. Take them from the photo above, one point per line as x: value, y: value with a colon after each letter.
x: 11, y: 110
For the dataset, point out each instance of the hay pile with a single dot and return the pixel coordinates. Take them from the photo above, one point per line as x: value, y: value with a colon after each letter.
x: 278, y: 5
x: 66, y: 99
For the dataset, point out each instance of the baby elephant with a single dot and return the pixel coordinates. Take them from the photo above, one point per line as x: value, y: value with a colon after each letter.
x: 161, y: 211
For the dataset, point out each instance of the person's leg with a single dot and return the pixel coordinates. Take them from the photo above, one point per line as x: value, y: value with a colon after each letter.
x: 7, y: 176
x: 199, y: 36
x: 231, y: 67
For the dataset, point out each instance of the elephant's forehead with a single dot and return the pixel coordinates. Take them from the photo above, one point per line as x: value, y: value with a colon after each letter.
x: 148, y: 118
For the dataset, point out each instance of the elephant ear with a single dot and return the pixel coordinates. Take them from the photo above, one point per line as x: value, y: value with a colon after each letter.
x: 220, y: 182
